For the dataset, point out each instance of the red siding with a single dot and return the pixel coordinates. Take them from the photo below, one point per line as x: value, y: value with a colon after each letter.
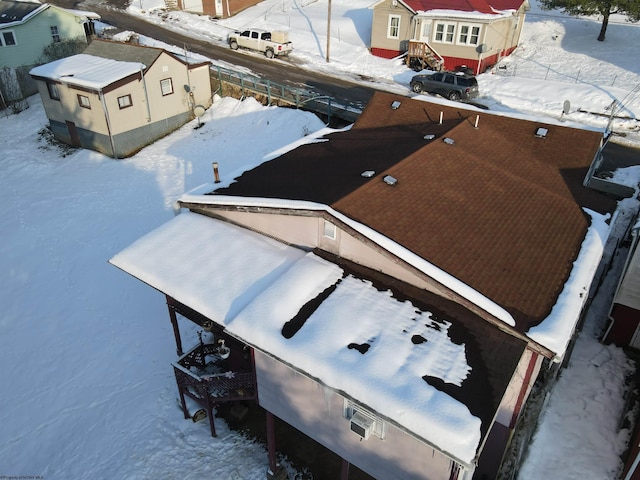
x: 452, y: 63
x: 625, y: 321
x: 384, y: 53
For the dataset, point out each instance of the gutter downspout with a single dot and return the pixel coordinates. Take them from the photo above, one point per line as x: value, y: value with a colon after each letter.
x: 484, y: 38
x: 146, y: 96
x: 106, y: 116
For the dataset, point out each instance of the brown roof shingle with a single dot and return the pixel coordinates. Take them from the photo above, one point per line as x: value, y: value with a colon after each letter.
x: 500, y: 209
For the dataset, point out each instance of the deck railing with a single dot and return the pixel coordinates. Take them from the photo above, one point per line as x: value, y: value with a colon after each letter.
x: 202, y: 375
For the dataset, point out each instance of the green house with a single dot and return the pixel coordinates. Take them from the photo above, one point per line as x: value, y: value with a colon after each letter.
x: 26, y: 28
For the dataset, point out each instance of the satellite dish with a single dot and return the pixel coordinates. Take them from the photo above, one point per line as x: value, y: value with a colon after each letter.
x: 482, y: 48
x: 199, y: 110
x: 187, y: 88
x: 566, y: 106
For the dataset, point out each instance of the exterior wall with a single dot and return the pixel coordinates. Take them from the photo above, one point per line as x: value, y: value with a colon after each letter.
x: 500, y: 36
x: 308, y: 232
x: 166, y: 106
x: 128, y: 143
x: 120, y: 132
x: 318, y: 412
x: 380, y: 42
x: 625, y: 321
x: 35, y: 34
x: 497, y: 36
x: 194, y: 6
x: 216, y: 8
x: 67, y: 108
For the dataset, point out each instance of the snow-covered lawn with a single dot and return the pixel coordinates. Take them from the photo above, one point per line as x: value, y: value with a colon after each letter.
x: 88, y: 390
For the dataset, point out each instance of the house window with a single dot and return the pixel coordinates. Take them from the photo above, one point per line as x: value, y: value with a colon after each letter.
x: 393, y: 30
x: 166, y: 86
x: 329, y: 230
x: 54, y: 94
x: 124, y: 101
x: 55, y: 34
x: 8, y: 39
x: 83, y: 101
x: 469, y: 34
x: 444, y: 33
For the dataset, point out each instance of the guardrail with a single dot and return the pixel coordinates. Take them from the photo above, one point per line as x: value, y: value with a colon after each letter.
x: 228, y: 82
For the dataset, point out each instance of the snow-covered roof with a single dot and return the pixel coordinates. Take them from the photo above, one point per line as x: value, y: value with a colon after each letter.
x: 477, y: 8
x: 15, y: 13
x: 253, y: 285
x: 88, y: 71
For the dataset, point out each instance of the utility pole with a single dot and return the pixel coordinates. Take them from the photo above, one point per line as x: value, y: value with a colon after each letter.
x: 328, y: 30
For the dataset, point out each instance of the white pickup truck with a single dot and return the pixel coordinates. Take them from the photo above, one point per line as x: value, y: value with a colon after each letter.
x: 272, y: 44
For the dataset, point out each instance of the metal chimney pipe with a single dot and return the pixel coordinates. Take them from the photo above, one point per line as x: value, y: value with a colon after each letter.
x: 216, y: 174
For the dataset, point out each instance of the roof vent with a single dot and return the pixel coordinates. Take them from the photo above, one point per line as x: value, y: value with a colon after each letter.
x: 368, y: 173
x: 429, y: 137
x: 395, y: 105
x: 389, y: 180
x: 449, y: 141
x: 541, y: 132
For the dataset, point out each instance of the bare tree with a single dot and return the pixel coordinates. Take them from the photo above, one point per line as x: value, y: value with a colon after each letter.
x: 605, y: 8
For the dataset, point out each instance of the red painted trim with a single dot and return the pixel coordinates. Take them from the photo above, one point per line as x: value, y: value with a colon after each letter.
x: 384, y: 53
x: 523, y: 389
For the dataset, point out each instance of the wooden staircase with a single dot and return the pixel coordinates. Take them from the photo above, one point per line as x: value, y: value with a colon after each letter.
x: 420, y: 55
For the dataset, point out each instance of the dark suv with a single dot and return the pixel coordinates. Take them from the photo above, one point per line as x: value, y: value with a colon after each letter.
x: 454, y: 86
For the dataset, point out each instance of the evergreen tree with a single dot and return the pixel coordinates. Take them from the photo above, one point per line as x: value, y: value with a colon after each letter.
x: 606, y: 8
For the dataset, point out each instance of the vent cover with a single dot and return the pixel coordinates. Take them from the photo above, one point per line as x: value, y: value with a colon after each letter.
x: 541, y: 132
x: 389, y: 180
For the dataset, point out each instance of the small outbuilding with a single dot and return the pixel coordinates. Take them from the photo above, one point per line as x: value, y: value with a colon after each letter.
x: 117, y: 98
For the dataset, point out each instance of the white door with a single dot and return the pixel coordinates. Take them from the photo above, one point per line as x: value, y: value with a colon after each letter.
x: 219, y: 12
x: 425, y: 31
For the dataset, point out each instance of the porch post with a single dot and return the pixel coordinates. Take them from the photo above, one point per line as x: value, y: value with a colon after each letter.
x: 176, y: 331
x: 271, y: 442
x: 344, y: 472
x: 523, y: 390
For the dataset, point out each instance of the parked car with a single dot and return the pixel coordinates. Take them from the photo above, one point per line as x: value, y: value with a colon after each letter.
x: 454, y: 86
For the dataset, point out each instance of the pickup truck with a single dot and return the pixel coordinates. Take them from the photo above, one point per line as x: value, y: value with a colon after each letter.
x: 272, y: 44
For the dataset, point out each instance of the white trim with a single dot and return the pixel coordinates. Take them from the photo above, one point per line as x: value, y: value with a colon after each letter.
x: 3, y: 42
x: 469, y: 34
x: 390, y: 26
x: 446, y: 31
x: 329, y: 230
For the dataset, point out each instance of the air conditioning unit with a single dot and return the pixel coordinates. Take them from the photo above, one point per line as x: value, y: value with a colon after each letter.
x: 361, y: 425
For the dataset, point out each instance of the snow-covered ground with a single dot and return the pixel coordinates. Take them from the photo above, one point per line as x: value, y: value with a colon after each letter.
x: 88, y: 390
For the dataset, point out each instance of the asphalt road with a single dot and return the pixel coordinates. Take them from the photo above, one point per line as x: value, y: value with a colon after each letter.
x: 282, y: 71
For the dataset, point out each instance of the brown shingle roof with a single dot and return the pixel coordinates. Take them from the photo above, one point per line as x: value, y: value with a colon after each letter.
x: 500, y: 209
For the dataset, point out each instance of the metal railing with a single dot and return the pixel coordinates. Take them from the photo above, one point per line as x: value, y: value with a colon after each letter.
x: 279, y: 94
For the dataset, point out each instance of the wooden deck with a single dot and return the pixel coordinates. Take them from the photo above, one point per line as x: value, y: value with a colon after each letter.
x: 420, y: 55
x: 209, y: 379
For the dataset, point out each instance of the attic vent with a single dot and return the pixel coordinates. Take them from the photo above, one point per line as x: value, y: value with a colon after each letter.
x: 449, y: 141
x: 389, y: 180
x: 429, y: 137
x: 368, y: 174
x: 541, y: 132
x: 395, y: 105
